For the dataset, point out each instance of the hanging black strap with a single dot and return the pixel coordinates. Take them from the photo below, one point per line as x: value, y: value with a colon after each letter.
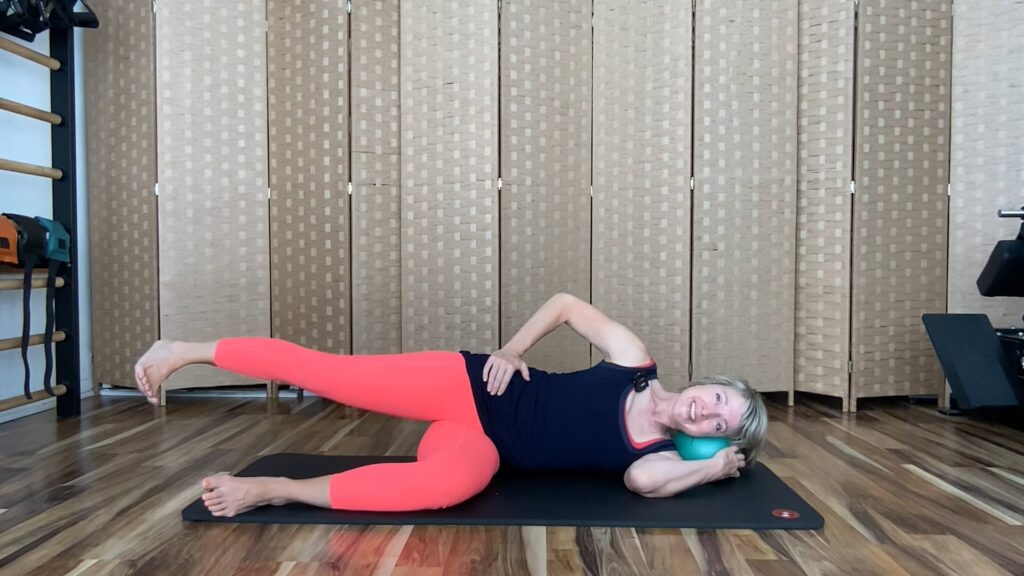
x: 31, y: 249
x: 26, y: 322
x: 51, y: 285
x: 58, y: 245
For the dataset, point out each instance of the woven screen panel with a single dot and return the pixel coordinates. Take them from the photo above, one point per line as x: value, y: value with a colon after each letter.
x: 376, y: 178
x: 449, y: 101
x: 309, y: 214
x: 900, y: 209
x: 121, y: 138
x: 824, y: 212
x: 212, y: 158
x: 745, y: 151
x: 641, y: 205
x: 545, y: 169
x: 987, y: 148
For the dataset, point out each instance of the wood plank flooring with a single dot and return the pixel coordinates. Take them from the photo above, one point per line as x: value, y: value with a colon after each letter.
x: 903, y: 489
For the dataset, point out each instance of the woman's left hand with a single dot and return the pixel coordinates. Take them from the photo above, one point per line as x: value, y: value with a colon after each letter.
x: 499, y: 369
x: 727, y: 463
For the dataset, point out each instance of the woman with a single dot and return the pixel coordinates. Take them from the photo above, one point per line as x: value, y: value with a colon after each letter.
x: 487, y: 409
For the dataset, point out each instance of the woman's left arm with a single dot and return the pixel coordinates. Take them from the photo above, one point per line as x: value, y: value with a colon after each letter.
x: 617, y: 343
x: 665, y: 474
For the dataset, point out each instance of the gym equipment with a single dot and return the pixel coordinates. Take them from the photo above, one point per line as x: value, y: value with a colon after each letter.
x: 978, y: 366
x: 702, y: 448
x: 31, y: 250
x: 8, y: 241
x: 1003, y: 274
x: 39, y: 240
x: 58, y: 244
x: 984, y: 365
x: 757, y: 500
x: 26, y: 18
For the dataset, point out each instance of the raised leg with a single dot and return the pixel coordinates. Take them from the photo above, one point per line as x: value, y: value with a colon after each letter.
x: 163, y: 359
x: 431, y: 385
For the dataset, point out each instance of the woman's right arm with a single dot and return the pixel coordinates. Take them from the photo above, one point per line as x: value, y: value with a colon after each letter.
x: 665, y: 474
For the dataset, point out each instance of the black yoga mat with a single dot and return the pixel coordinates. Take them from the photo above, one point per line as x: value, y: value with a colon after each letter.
x: 757, y: 500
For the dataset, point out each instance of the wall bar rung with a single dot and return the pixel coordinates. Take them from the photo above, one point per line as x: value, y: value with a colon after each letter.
x: 34, y: 340
x: 31, y: 169
x: 29, y: 54
x: 24, y: 110
x: 18, y: 284
x: 37, y: 396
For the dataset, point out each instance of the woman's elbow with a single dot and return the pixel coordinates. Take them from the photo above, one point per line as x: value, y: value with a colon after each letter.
x: 640, y: 483
x: 565, y: 304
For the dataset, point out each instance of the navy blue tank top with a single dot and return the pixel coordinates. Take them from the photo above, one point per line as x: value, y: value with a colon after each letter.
x: 562, y: 421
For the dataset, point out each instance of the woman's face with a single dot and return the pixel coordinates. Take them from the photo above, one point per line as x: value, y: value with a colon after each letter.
x: 708, y: 410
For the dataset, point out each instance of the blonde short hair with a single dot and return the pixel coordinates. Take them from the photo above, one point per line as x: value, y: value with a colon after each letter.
x: 754, y: 422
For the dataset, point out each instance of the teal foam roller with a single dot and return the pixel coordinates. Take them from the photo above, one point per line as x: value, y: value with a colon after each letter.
x: 702, y: 448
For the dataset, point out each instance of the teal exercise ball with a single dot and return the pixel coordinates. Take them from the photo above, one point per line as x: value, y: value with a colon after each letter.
x: 691, y: 448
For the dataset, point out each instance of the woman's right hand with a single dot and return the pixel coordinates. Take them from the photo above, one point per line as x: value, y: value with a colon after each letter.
x: 499, y: 369
x: 726, y: 463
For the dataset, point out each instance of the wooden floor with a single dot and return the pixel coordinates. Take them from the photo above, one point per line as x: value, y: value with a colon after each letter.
x: 903, y: 490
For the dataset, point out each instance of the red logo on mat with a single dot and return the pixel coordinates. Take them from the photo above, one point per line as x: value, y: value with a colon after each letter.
x: 785, y: 514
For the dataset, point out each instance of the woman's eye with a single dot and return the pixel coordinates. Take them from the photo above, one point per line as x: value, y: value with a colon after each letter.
x: 718, y: 398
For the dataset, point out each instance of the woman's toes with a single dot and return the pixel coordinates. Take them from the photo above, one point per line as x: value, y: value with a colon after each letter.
x: 217, y: 479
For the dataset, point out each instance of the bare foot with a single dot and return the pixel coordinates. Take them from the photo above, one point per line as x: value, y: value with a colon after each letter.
x: 227, y: 496
x: 159, y: 362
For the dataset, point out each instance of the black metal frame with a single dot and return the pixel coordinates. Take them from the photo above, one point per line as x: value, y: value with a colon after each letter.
x: 67, y: 355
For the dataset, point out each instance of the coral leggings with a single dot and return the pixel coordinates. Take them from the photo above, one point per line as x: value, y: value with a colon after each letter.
x: 455, y: 459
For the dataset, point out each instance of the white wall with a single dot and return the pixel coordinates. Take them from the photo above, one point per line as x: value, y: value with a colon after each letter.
x: 28, y: 140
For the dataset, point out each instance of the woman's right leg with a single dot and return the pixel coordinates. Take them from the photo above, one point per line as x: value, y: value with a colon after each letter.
x: 454, y: 462
x: 429, y: 385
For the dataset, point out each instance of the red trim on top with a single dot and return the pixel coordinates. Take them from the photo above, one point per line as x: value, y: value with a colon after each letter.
x: 625, y: 426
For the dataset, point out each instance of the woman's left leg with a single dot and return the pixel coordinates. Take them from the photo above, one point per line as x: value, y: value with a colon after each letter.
x: 427, y: 385
x: 454, y: 462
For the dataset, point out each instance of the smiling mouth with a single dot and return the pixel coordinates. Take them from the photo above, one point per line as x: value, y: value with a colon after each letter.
x: 693, y: 411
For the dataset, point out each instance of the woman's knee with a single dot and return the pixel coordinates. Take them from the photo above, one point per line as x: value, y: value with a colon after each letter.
x: 458, y: 461
x: 444, y: 435
x: 455, y: 462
